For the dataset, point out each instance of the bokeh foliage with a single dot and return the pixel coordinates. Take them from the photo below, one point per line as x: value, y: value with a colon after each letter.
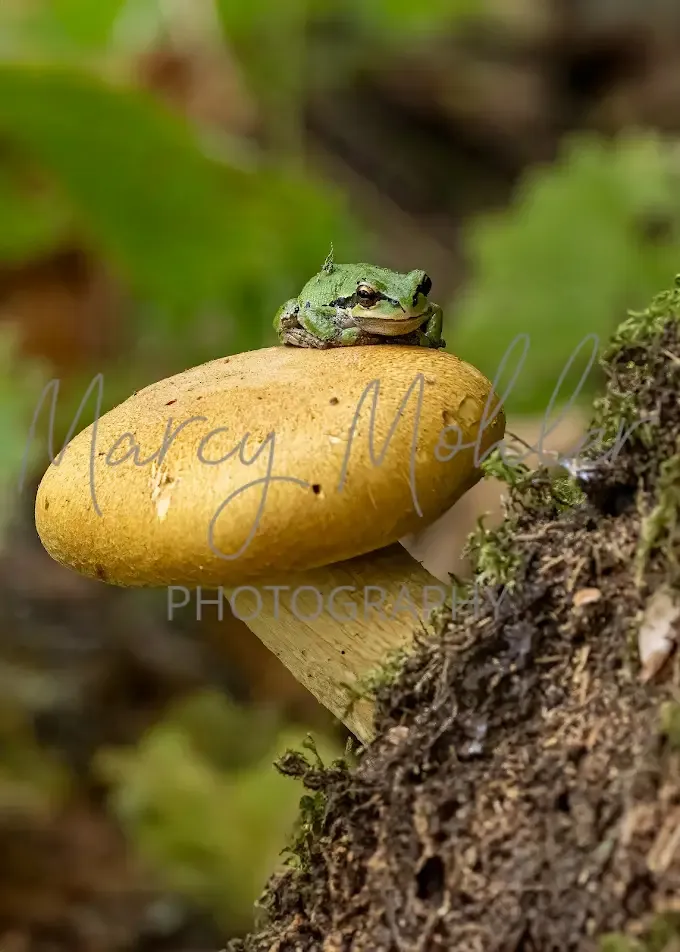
x: 585, y: 238
x: 203, y: 804
x: 187, y: 231
x: 21, y: 380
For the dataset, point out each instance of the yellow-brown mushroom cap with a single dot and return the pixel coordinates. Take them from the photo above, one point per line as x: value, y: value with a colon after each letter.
x: 233, y: 471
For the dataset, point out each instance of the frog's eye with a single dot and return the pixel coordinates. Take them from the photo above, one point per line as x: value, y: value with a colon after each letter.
x: 367, y: 295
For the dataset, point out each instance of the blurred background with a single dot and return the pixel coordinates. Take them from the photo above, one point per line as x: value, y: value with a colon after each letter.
x: 170, y: 172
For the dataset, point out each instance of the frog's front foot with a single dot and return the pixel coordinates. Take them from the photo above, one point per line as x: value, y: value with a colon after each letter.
x: 286, y: 320
x: 435, y: 343
x: 431, y: 334
x: 299, y: 337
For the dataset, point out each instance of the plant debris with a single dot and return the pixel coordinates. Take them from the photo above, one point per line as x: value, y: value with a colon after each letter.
x: 658, y: 632
x: 523, y: 789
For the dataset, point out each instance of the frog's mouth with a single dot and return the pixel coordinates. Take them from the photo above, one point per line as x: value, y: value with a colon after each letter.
x: 390, y: 326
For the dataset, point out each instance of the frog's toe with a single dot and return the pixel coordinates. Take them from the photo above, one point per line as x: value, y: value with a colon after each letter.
x: 299, y: 337
x: 288, y: 322
x: 435, y: 343
x: 286, y: 317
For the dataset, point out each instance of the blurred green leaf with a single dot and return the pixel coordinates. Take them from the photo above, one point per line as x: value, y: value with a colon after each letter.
x: 164, y: 212
x: 241, y: 20
x: 290, y: 223
x: 190, y: 234
x: 585, y: 238
x: 427, y: 16
x: 294, y: 219
x: 395, y: 16
x: 57, y: 27
x: 35, y: 218
x: 86, y: 22
x: 21, y: 380
x: 24, y: 28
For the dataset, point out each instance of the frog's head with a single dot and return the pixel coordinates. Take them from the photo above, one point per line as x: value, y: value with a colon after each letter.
x: 380, y: 301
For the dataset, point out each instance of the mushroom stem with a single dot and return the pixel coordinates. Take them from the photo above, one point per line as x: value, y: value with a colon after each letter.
x: 332, y: 626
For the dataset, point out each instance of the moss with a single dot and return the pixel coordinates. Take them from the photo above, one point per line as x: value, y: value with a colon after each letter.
x: 660, y: 526
x: 499, y: 466
x: 566, y: 492
x: 669, y: 714
x: 641, y: 326
x: 307, y: 829
x: 378, y: 678
x: 619, y: 407
x: 615, y: 412
x: 541, y: 492
x: 616, y: 942
x: 663, y: 935
x: 492, y: 554
x: 313, y: 806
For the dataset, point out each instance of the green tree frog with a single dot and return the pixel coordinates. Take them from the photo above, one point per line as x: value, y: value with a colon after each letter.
x: 351, y: 304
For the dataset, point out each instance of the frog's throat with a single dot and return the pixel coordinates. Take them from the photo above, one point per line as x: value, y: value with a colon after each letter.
x: 389, y: 327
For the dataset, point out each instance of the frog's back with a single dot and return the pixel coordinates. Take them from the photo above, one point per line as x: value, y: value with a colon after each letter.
x: 327, y: 286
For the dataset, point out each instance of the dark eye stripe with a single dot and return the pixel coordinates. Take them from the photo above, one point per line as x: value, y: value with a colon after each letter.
x: 424, y: 287
x: 355, y: 299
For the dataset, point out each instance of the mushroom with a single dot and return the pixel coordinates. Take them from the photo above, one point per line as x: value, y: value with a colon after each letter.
x: 282, y: 478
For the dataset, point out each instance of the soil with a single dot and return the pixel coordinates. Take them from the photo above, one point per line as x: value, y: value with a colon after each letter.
x: 523, y: 791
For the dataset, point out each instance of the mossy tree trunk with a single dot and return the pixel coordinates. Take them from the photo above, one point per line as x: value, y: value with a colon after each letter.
x: 523, y: 789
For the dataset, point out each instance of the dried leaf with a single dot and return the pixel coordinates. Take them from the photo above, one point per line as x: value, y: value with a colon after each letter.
x: 586, y: 596
x: 658, y: 632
